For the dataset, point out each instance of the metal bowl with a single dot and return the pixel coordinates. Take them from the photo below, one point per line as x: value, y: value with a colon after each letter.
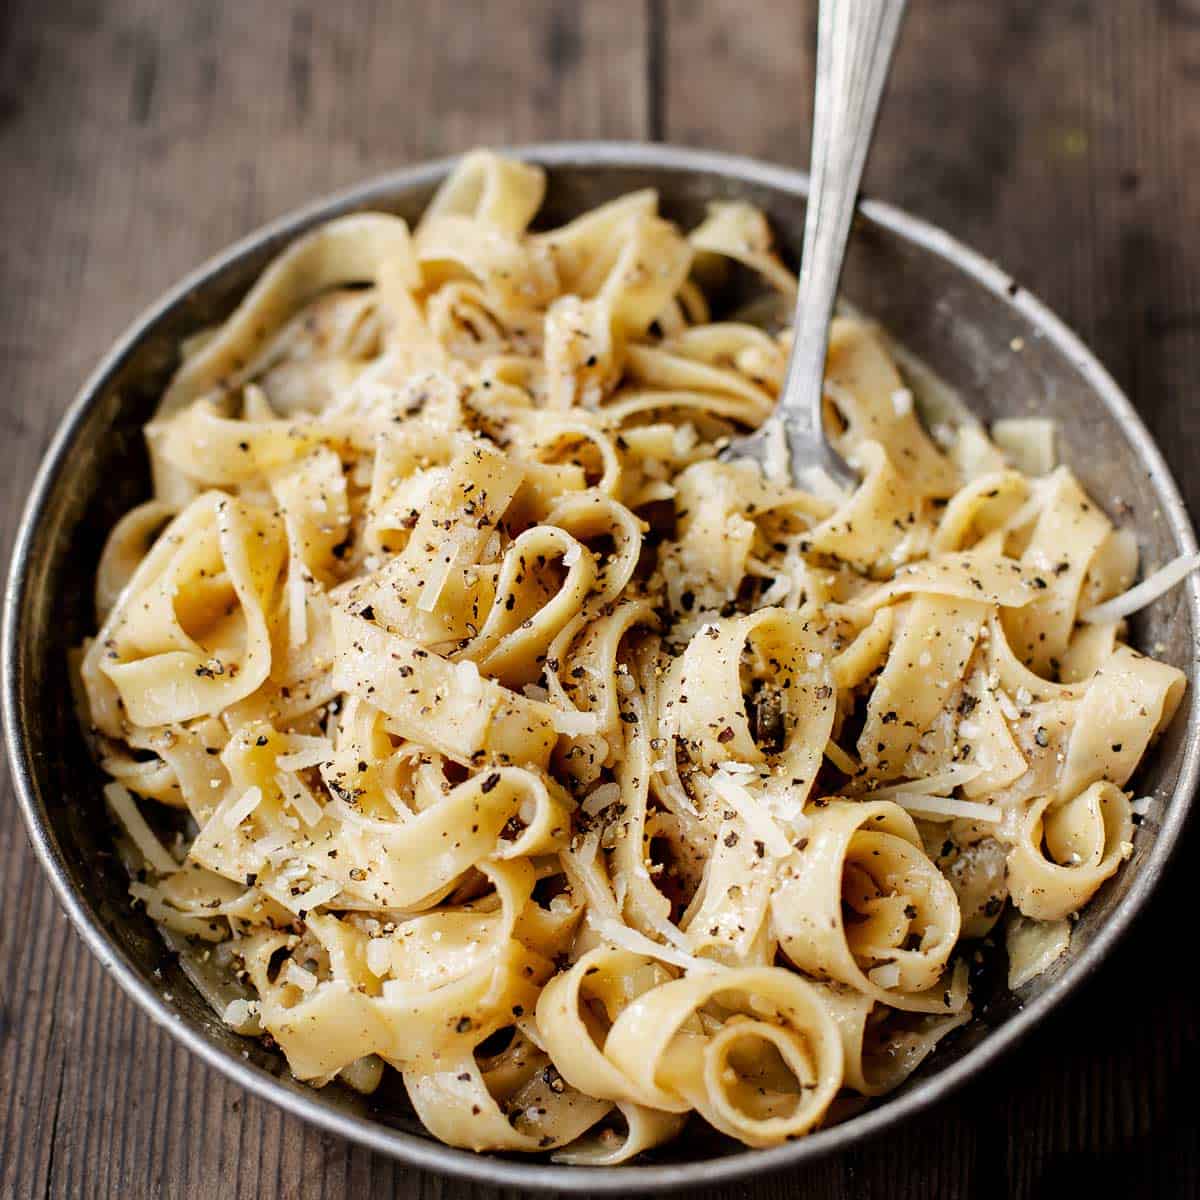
x: 987, y: 337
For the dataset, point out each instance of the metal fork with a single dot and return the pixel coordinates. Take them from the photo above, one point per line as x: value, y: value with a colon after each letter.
x: 855, y: 41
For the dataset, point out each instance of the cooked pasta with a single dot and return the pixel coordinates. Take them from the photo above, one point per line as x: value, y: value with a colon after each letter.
x: 529, y: 749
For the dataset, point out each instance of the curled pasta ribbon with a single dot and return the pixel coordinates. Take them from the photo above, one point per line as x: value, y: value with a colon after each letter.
x: 411, y: 863
x: 1130, y: 699
x: 753, y: 352
x: 517, y: 1100
x: 1065, y: 849
x: 672, y: 371
x: 526, y: 615
x: 127, y: 545
x: 981, y: 507
x: 514, y: 274
x: 752, y: 1049
x: 740, y: 231
x: 903, y: 733
x: 201, y: 639
x: 533, y: 1111
x: 874, y: 525
x: 585, y: 337
x: 325, y: 1027
x: 882, y: 1047
x: 581, y: 670
x: 586, y: 247
x: 349, y: 250
x: 576, y: 1012
x: 705, y: 707
x: 547, y: 437
x: 1068, y: 532
x: 863, y: 905
x: 865, y: 384
x: 500, y: 193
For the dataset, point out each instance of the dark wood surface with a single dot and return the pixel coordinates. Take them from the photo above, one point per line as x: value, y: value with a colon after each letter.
x: 137, y: 137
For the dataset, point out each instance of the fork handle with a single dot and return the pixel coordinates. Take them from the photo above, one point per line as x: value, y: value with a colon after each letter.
x: 855, y: 41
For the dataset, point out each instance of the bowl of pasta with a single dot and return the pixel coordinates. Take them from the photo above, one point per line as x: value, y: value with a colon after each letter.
x: 421, y: 720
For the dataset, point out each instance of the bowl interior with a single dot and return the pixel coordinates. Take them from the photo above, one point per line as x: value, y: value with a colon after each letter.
x: 981, y: 340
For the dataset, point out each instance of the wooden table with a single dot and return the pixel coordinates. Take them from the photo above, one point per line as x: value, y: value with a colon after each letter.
x: 137, y: 137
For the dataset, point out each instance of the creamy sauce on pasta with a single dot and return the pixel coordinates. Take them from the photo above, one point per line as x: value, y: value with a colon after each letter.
x: 531, y: 751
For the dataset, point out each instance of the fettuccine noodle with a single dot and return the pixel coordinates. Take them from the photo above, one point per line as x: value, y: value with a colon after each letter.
x: 526, y: 748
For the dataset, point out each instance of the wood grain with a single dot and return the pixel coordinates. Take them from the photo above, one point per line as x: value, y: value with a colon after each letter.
x: 139, y: 136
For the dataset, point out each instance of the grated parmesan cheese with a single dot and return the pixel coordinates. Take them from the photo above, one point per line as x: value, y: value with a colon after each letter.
x: 947, y: 808
x: 242, y: 1016
x: 297, y: 606
x: 599, y: 798
x: 296, y: 975
x: 573, y: 723
x: 624, y: 938
x: 121, y: 802
x: 240, y: 809
x: 1146, y: 592
x: 885, y: 976
x: 379, y: 959
x: 758, y: 820
x: 313, y: 752
x: 944, y: 781
x: 432, y: 591
x: 298, y: 794
x: 1028, y: 443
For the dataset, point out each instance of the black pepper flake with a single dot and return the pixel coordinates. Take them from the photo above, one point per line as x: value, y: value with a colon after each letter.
x: 490, y: 782
x: 726, y: 735
x: 731, y: 839
x: 1041, y: 736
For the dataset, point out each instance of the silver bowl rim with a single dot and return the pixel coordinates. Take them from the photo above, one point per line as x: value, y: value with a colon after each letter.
x: 426, y: 1153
